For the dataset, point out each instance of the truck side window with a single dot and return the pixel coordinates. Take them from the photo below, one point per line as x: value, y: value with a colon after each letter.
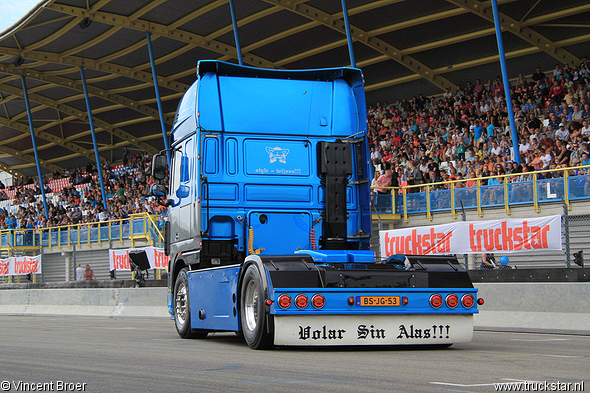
x: 175, y: 179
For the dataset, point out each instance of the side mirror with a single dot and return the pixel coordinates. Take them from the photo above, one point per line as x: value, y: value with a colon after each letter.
x: 159, y: 165
x: 158, y: 190
x: 183, y: 191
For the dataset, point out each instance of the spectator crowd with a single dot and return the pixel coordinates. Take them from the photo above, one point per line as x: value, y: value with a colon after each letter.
x: 466, y: 134
x: 76, y: 197
x: 461, y: 135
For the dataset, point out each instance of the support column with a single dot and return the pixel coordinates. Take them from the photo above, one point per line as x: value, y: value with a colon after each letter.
x: 26, y: 94
x: 513, y: 130
x: 68, y: 267
x: 235, y: 23
x: 348, y: 34
x: 158, y: 99
x: 104, y: 198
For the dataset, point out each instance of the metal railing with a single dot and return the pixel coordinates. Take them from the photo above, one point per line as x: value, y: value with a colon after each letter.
x: 141, y: 226
x: 454, y: 195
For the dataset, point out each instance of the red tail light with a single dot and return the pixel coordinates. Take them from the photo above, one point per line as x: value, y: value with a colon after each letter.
x: 284, y: 301
x: 404, y: 301
x: 301, y: 301
x: 318, y: 301
x: 351, y: 301
x: 480, y: 301
x: 436, y: 301
x: 467, y: 301
x: 452, y: 301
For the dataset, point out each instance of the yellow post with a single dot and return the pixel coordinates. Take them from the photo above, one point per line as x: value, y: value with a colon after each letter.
x: 59, y: 238
x: 535, y: 196
x: 405, y: 198
x: 99, y: 242
x: 566, y: 188
x: 88, y: 235
x: 428, y: 214
x: 121, y: 231
x: 506, y: 204
x: 453, y: 211
x: 478, y: 194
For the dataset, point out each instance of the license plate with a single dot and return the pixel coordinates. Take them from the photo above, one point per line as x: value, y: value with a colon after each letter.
x: 377, y: 300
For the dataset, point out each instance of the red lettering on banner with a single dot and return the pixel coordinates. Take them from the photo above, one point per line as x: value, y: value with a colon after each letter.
x: 4, y: 268
x: 387, y: 245
x: 474, y: 242
x: 518, y: 239
x: 161, y: 260
x: 544, y: 231
x: 121, y: 261
x: 418, y: 244
x: 525, y: 235
x: 399, y: 245
x: 497, y: 234
x: 426, y: 243
x: 536, y: 237
x: 494, y: 236
x: 488, y: 239
x: 25, y: 266
x: 507, y: 241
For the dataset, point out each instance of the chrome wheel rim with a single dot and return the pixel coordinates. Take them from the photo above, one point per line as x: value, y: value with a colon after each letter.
x: 181, y: 304
x: 251, y: 305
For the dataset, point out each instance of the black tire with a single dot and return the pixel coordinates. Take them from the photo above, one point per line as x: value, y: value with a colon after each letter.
x: 256, y: 323
x: 182, y: 309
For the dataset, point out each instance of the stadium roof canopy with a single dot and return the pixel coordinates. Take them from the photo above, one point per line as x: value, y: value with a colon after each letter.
x: 404, y: 48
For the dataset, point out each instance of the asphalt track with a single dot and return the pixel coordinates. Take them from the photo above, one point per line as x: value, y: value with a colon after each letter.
x: 146, y: 355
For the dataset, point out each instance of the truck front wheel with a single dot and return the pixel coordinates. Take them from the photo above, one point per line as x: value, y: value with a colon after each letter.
x: 256, y: 323
x: 182, y: 309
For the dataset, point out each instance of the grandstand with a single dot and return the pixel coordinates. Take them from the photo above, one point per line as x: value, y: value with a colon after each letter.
x: 400, y: 58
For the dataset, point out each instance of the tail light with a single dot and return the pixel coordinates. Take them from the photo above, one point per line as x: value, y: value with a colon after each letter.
x: 467, y: 301
x: 301, y: 301
x: 284, y: 301
x: 318, y: 301
x: 436, y: 301
x: 351, y: 301
x: 452, y: 301
x: 404, y: 301
x: 480, y: 301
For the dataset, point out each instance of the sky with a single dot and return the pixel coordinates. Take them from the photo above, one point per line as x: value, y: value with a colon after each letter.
x: 11, y: 11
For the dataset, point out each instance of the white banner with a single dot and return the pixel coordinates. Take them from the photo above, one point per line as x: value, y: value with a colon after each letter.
x: 475, y: 237
x: 119, y: 259
x: 20, y: 266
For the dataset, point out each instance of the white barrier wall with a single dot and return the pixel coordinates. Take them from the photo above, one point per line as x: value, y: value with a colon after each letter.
x: 527, y: 307
x: 535, y: 307
x: 110, y: 302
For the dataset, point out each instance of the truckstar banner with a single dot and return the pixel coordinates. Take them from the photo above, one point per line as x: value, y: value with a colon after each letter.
x: 119, y: 259
x: 20, y: 266
x: 475, y: 237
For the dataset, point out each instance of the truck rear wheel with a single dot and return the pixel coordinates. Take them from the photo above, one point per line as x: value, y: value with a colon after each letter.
x: 182, y: 309
x: 256, y: 323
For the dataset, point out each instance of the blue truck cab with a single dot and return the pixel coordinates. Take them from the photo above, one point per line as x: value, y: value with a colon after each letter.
x: 269, y: 220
